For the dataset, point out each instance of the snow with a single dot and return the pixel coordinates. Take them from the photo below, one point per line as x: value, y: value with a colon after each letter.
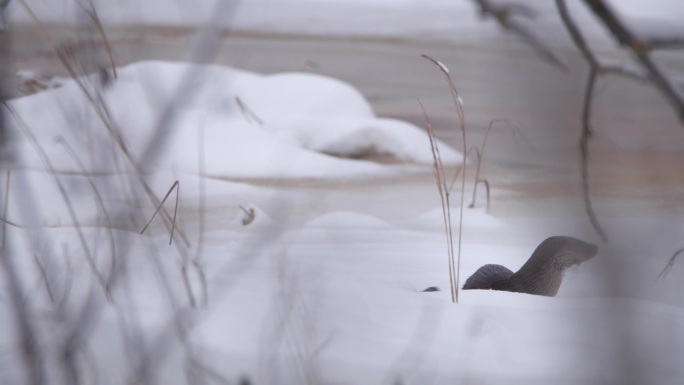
x: 338, y: 299
x: 303, y: 118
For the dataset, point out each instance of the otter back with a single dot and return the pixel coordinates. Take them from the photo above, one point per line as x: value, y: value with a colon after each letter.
x: 542, y: 274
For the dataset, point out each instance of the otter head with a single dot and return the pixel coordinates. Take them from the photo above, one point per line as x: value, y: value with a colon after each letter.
x: 542, y: 274
x: 569, y: 251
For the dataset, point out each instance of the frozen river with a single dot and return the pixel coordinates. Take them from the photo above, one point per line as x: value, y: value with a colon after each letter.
x: 637, y: 150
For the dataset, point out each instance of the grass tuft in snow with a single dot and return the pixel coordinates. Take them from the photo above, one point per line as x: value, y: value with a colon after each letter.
x: 438, y: 170
x: 458, y: 103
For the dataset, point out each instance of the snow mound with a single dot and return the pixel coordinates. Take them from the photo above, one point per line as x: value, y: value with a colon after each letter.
x: 218, y: 121
x: 346, y: 220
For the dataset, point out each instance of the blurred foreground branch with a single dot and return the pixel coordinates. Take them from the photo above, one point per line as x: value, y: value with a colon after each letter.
x: 652, y: 72
x: 508, y: 16
x: 641, y: 48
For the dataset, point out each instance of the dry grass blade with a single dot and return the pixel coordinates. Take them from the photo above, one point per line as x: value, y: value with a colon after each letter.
x: 438, y: 170
x: 100, y: 202
x: 458, y: 103
x: 461, y: 167
x: 44, y: 278
x: 250, y: 215
x: 92, y: 14
x: 480, y: 156
x: 176, y: 186
x: 485, y: 182
x: 29, y: 346
x: 65, y: 196
x: 670, y: 264
x: 5, y: 205
x: 247, y: 112
x: 201, y: 163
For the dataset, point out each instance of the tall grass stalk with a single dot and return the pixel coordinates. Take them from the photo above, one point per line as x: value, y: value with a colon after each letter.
x: 458, y: 103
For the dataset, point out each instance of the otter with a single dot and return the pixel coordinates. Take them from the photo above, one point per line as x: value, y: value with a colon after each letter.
x: 542, y: 274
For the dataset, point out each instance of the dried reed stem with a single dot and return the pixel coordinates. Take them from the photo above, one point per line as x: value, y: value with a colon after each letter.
x: 438, y: 170
x: 458, y: 103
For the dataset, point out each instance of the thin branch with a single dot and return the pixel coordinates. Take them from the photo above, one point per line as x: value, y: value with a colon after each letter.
x: 505, y: 14
x: 641, y: 50
x: 584, y: 151
x: 594, y: 68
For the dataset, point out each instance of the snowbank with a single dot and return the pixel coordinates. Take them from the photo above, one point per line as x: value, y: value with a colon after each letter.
x: 338, y: 300
x: 219, y: 122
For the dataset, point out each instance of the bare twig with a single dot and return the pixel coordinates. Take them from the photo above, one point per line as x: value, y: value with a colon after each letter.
x: 505, y: 14
x: 594, y: 68
x: 670, y: 264
x: 584, y: 151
